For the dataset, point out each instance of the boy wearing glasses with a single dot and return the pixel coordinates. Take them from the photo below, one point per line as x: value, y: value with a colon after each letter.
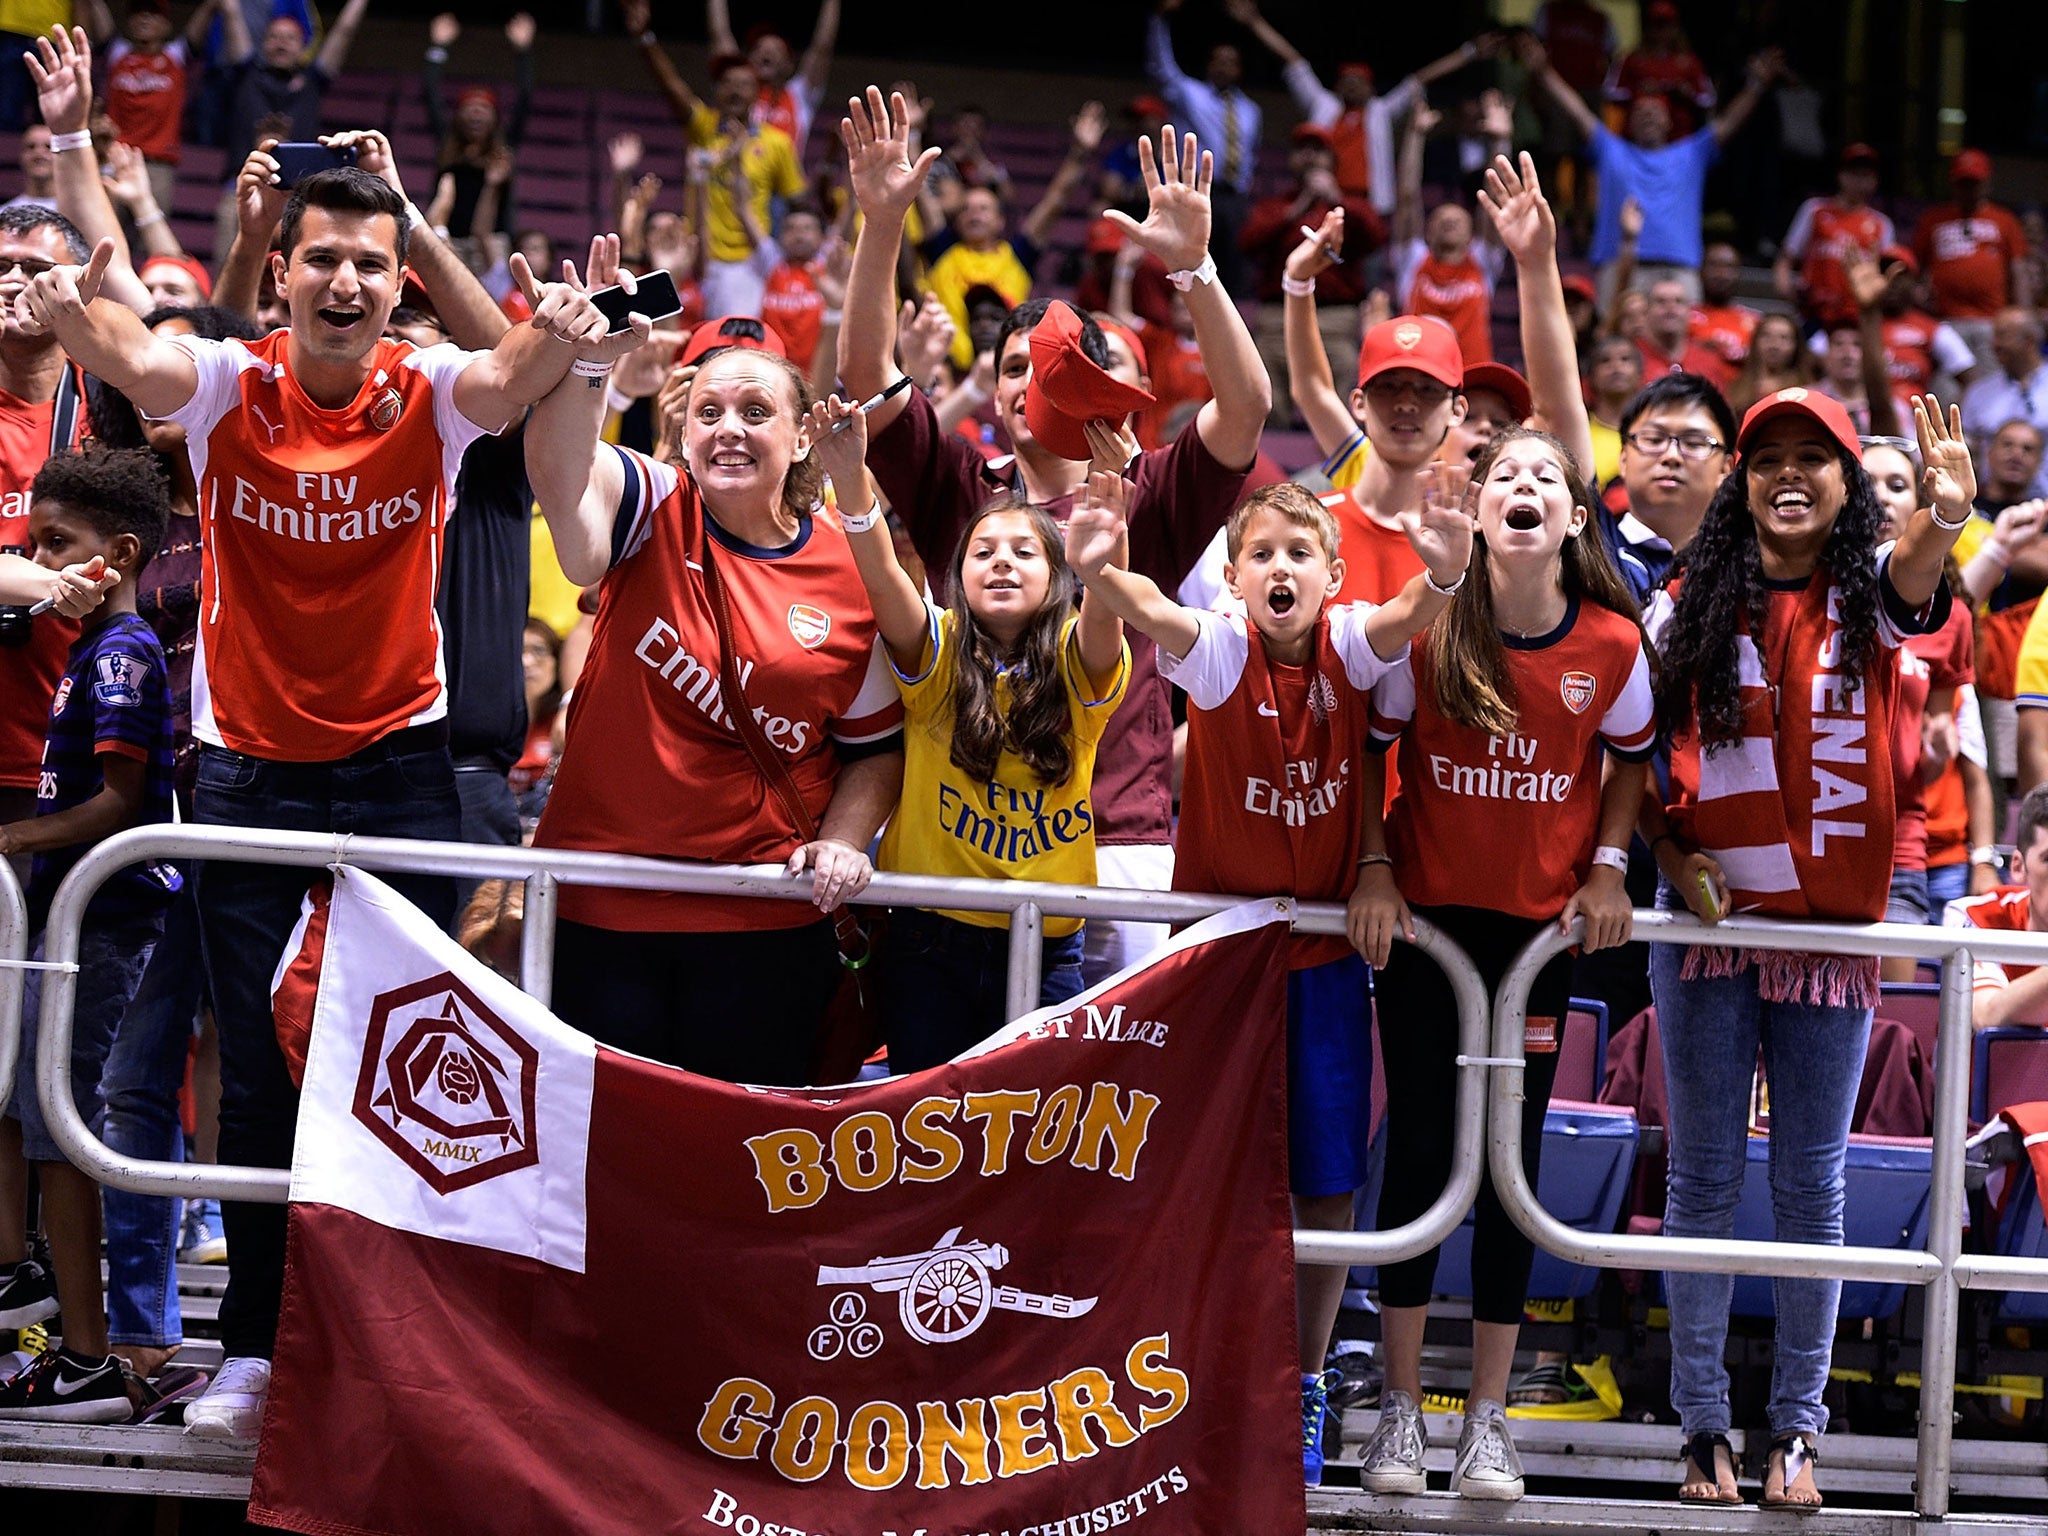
x: 1674, y: 451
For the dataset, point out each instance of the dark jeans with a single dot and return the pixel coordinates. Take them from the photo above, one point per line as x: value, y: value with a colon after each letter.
x: 1418, y: 1024
x: 403, y: 786
x: 489, y: 814
x: 944, y: 985
x: 743, y: 1007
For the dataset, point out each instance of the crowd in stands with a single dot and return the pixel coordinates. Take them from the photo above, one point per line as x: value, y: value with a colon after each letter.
x: 903, y: 540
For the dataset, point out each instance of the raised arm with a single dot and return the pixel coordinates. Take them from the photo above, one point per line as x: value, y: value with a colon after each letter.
x: 234, y: 34
x: 1536, y: 60
x: 1441, y: 533
x: 1309, y: 381
x: 127, y: 183
x: 681, y: 99
x: 334, y: 52
x: 105, y: 338
x: 1408, y: 174
x: 1098, y: 542
x: 472, y: 319
x: 837, y: 431
x: 1763, y: 72
x: 1866, y: 283
x: 1087, y: 137
x: 530, y: 359
x: 61, y: 67
x: 1522, y: 219
x: 1176, y: 230
x: 885, y: 181
x: 1948, y: 487
x: 1484, y: 46
x: 442, y: 32
x: 1246, y: 14
x: 99, y: 21
x: 259, y: 208
x: 202, y: 19
x: 1099, y: 634
x: 1160, y: 63
x: 817, y: 60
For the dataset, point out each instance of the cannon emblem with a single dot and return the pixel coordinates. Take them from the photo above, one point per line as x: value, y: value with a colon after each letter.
x: 942, y: 1295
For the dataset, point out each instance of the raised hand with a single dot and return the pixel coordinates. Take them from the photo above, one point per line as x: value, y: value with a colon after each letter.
x: 61, y: 294
x: 1631, y: 220
x: 1177, y: 180
x: 1949, y: 482
x: 924, y: 336
x: 443, y: 30
x: 1312, y: 257
x: 671, y: 405
x: 837, y: 430
x: 1377, y: 309
x: 1110, y: 448
x: 1496, y: 115
x: 876, y: 134
x: 127, y: 177
x: 1087, y: 127
x: 1867, y: 281
x: 564, y: 309
x: 917, y: 110
x: 61, y: 67
x: 1520, y: 212
x: 1441, y: 532
x: 625, y: 152
x: 2019, y: 525
x: 634, y: 13
x: 1096, y: 528
x: 259, y: 200
x: 373, y: 154
x: 519, y: 31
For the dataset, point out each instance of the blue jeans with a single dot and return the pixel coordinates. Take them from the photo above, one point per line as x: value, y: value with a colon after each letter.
x: 1712, y: 1028
x: 944, y: 983
x: 1946, y: 883
x: 142, y: 1078
x: 111, y: 955
x: 402, y: 786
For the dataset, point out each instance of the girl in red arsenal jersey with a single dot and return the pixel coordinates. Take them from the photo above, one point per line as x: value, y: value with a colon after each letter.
x: 1502, y: 710
x: 1779, y: 682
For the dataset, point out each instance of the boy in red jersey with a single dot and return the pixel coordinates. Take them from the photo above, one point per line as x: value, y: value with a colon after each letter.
x: 2012, y: 994
x: 324, y: 457
x: 1276, y: 720
x: 1811, y: 263
x: 147, y: 70
x: 1444, y: 265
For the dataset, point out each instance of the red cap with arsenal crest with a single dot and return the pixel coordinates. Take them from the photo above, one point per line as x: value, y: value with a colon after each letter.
x: 1421, y: 342
x: 1823, y: 410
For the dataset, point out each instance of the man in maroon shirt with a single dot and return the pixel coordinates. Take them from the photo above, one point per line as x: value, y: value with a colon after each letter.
x: 1179, y: 494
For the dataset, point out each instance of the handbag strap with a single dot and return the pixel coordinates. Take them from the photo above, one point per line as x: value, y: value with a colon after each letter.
x: 852, y: 942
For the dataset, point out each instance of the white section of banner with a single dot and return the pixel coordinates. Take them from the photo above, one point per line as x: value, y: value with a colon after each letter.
x: 438, y: 1097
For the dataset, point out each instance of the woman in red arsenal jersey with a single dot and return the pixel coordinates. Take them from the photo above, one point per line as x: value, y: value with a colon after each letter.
x: 1783, y: 803
x: 1502, y: 710
x: 657, y: 757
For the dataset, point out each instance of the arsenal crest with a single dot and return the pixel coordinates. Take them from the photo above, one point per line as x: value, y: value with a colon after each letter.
x: 447, y: 1085
x: 386, y: 409
x: 809, y: 625
x: 1408, y: 335
x: 1577, y: 689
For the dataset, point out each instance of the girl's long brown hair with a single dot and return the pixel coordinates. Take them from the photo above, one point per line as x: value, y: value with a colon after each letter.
x: 1469, y: 678
x: 1036, y: 724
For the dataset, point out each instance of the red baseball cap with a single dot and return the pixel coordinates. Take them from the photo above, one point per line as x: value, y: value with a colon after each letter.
x: 1104, y: 237
x: 1067, y: 389
x: 1503, y: 381
x: 1970, y: 165
x: 185, y: 264
x: 1861, y: 154
x: 1582, y: 285
x: 1824, y: 411
x: 1147, y: 106
x: 1900, y: 255
x: 729, y: 331
x: 1421, y: 342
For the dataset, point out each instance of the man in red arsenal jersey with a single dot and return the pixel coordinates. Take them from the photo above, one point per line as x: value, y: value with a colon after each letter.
x: 2013, y: 994
x: 41, y: 412
x: 790, y: 88
x: 1668, y: 346
x: 325, y: 457
x: 1810, y: 266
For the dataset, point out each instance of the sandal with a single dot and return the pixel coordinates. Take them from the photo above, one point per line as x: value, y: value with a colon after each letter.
x: 1790, y: 1455
x: 1702, y: 1454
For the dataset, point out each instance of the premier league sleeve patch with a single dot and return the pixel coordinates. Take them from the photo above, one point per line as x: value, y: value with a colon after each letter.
x: 117, y: 681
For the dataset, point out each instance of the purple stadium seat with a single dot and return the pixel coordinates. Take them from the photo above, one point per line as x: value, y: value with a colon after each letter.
x: 2010, y: 1067
x: 1917, y: 1005
x: 1582, y: 1053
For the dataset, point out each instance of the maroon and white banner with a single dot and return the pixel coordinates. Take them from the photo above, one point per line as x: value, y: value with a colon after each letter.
x: 538, y: 1285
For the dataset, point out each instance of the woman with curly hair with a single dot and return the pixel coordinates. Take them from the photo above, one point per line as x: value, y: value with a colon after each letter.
x: 1780, y: 641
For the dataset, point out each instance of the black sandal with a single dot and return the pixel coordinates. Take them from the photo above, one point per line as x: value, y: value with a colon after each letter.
x: 1793, y: 1454
x: 1703, y: 1465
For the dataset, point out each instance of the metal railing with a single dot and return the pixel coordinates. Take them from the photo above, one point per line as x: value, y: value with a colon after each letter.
x: 13, y: 971
x: 546, y: 870
x: 1941, y: 1269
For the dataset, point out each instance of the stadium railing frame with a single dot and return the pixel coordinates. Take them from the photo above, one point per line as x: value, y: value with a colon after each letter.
x: 1489, y: 1104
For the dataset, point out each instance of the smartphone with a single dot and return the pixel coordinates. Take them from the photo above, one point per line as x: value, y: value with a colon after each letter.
x: 295, y: 162
x: 654, y: 296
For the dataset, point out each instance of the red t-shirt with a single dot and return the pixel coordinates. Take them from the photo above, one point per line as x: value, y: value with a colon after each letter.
x: 1508, y: 823
x: 1579, y: 38
x: 1725, y: 330
x: 791, y: 303
x: 1823, y: 233
x: 1460, y: 294
x: 1269, y: 804
x: 2005, y: 910
x: 28, y: 676
x: 1680, y: 78
x: 323, y: 532
x: 145, y: 95
x: 652, y: 763
x: 1708, y: 364
x: 1968, y: 258
x: 1350, y: 137
x: 1378, y: 561
x: 1927, y: 664
x: 1177, y: 497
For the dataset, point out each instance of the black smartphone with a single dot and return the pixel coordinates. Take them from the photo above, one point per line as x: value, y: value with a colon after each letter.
x: 295, y: 162
x: 654, y: 296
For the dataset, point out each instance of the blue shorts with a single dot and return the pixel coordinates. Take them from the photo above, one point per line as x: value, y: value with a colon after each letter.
x: 111, y: 958
x: 1908, y: 901
x: 1329, y: 1077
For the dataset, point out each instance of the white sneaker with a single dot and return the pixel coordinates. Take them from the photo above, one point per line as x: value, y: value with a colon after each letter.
x: 1393, y: 1456
x: 231, y: 1408
x: 1487, y: 1466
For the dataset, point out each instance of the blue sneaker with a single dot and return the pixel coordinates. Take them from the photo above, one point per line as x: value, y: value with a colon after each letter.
x: 200, y: 1240
x: 1315, y: 1405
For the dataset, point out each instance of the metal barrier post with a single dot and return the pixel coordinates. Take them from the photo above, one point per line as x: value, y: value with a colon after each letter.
x: 1945, y: 1236
x: 537, y: 938
x: 1027, y: 937
x: 13, y: 946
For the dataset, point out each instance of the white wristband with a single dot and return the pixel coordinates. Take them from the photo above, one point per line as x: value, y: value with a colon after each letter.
x: 154, y: 216
x: 1995, y: 552
x: 590, y: 368
x: 1429, y: 576
x: 413, y: 217
x: 1985, y: 854
x: 861, y: 522
x: 63, y: 141
x: 1204, y: 274
x: 1613, y: 858
x: 1298, y: 287
x: 1932, y: 511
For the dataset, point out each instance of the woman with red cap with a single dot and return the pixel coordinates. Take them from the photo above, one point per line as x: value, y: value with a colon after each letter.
x: 480, y: 132
x: 1780, y: 639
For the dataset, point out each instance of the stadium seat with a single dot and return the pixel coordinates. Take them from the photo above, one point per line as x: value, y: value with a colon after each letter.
x: 1582, y: 1053
x: 2009, y: 1065
x: 1917, y: 1005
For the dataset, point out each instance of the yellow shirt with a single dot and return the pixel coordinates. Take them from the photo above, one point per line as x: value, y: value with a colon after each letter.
x: 1343, y: 467
x: 1606, y: 451
x: 769, y: 167
x: 958, y: 269
x: 1017, y: 828
x: 33, y: 18
x: 551, y: 596
x: 2030, y: 672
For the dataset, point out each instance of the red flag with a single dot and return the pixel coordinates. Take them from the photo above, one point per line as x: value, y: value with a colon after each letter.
x: 537, y: 1285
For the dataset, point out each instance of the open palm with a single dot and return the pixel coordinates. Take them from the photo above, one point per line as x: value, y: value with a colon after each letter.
x: 1521, y: 214
x: 1177, y: 215
x: 1949, y: 483
x: 876, y: 134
